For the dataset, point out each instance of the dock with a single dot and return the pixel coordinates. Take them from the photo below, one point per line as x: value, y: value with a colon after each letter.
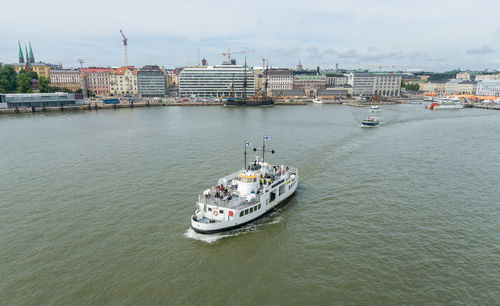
x: 99, y: 105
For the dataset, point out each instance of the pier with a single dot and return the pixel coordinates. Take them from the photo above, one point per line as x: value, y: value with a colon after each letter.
x: 90, y: 105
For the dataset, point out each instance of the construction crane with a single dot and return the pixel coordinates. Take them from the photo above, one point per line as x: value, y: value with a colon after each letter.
x: 228, y: 54
x: 84, y: 79
x: 125, y: 47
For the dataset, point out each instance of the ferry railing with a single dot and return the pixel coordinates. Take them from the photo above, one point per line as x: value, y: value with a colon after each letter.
x: 233, y: 203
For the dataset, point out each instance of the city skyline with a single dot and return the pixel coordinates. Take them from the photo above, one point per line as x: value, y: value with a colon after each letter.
x: 426, y: 35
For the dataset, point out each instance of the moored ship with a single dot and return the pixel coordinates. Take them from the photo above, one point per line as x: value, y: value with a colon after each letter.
x: 235, y: 101
x: 244, y: 100
x: 446, y: 103
x: 243, y: 196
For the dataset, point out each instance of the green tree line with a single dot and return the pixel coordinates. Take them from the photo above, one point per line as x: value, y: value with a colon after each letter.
x: 12, y: 82
x: 410, y: 86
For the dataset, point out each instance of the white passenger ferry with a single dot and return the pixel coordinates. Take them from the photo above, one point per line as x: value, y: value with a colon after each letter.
x: 244, y: 196
x: 446, y: 103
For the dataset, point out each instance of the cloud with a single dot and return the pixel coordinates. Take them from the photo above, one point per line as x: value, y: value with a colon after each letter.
x: 352, y: 53
x: 371, y: 48
x: 314, y: 52
x: 481, y: 50
x: 498, y: 31
x: 288, y: 51
x: 382, y: 56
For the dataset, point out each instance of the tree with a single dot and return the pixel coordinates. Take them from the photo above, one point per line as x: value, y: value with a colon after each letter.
x: 8, y: 79
x: 44, y: 84
x: 24, y: 83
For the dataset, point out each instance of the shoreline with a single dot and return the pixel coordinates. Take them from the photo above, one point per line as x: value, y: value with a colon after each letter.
x: 97, y: 106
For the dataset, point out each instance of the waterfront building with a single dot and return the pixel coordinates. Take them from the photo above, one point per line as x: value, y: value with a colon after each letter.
x: 41, y: 69
x: 288, y: 94
x: 343, y: 90
x: 363, y: 83
x: 258, y: 77
x: 463, y: 76
x: 433, y: 87
x: 334, y: 79
x: 460, y: 87
x: 279, y: 79
x: 37, y: 99
x: 123, y: 81
x: 216, y: 81
x: 151, y: 81
x: 466, y: 87
x: 309, y: 81
x: 488, y: 76
x: 96, y: 80
x: 488, y: 88
x: 66, y: 78
x: 172, y: 78
x: 387, y: 84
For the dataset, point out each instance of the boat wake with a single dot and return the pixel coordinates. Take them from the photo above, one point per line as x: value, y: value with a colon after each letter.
x: 211, y: 238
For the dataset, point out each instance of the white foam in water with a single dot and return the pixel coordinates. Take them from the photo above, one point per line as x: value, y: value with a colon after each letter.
x: 208, y: 238
x: 211, y: 238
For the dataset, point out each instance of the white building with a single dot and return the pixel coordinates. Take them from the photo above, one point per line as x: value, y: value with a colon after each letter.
x: 490, y: 76
x: 363, y: 84
x: 65, y: 78
x: 451, y: 87
x: 336, y: 79
x: 123, y: 81
x: 216, y: 81
x: 387, y: 84
x: 488, y: 88
x: 279, y: 79
x: 460, y: 87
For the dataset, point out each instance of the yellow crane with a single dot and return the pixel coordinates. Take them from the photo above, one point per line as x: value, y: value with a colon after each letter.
x: 228, y: 53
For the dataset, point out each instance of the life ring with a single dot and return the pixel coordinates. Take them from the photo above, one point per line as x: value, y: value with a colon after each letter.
x: 216, y: 212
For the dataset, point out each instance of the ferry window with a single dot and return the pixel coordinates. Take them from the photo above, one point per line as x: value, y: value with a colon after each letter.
x: 259, y: 206
x: 246, y: 211
x: 241, y: 214
x: 221, y: 211
x: 251, y: 209
x: 282, y: 189
x: 209, y: 209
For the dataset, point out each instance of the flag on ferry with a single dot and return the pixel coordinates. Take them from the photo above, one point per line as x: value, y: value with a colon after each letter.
x: 267, y: 138
x: 247, y: 143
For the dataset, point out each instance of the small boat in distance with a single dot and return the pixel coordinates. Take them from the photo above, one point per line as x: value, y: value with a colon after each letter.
x: 318, y: 101
x: 370, y: 122
x: 374, y: 108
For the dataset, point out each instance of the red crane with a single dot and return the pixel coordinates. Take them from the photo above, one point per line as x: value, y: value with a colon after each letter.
x: 125, y: 47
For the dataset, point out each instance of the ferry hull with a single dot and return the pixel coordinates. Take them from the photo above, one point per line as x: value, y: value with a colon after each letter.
x: 233, y: 227
x: 212, y: 228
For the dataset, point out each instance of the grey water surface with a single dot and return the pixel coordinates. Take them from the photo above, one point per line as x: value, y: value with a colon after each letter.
x: 95, y: 207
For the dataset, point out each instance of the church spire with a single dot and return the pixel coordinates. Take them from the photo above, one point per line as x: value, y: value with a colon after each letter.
x: 21, y: 57
x: 32, y: 58
x: 27, y: 67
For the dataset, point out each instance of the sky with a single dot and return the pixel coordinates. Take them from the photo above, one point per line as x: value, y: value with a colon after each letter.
x: 433, y: 35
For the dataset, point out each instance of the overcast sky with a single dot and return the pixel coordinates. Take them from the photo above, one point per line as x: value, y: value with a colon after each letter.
x: 433, y: 35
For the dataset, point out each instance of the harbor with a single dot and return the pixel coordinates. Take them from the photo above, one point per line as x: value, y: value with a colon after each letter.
x: 100, y: 210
